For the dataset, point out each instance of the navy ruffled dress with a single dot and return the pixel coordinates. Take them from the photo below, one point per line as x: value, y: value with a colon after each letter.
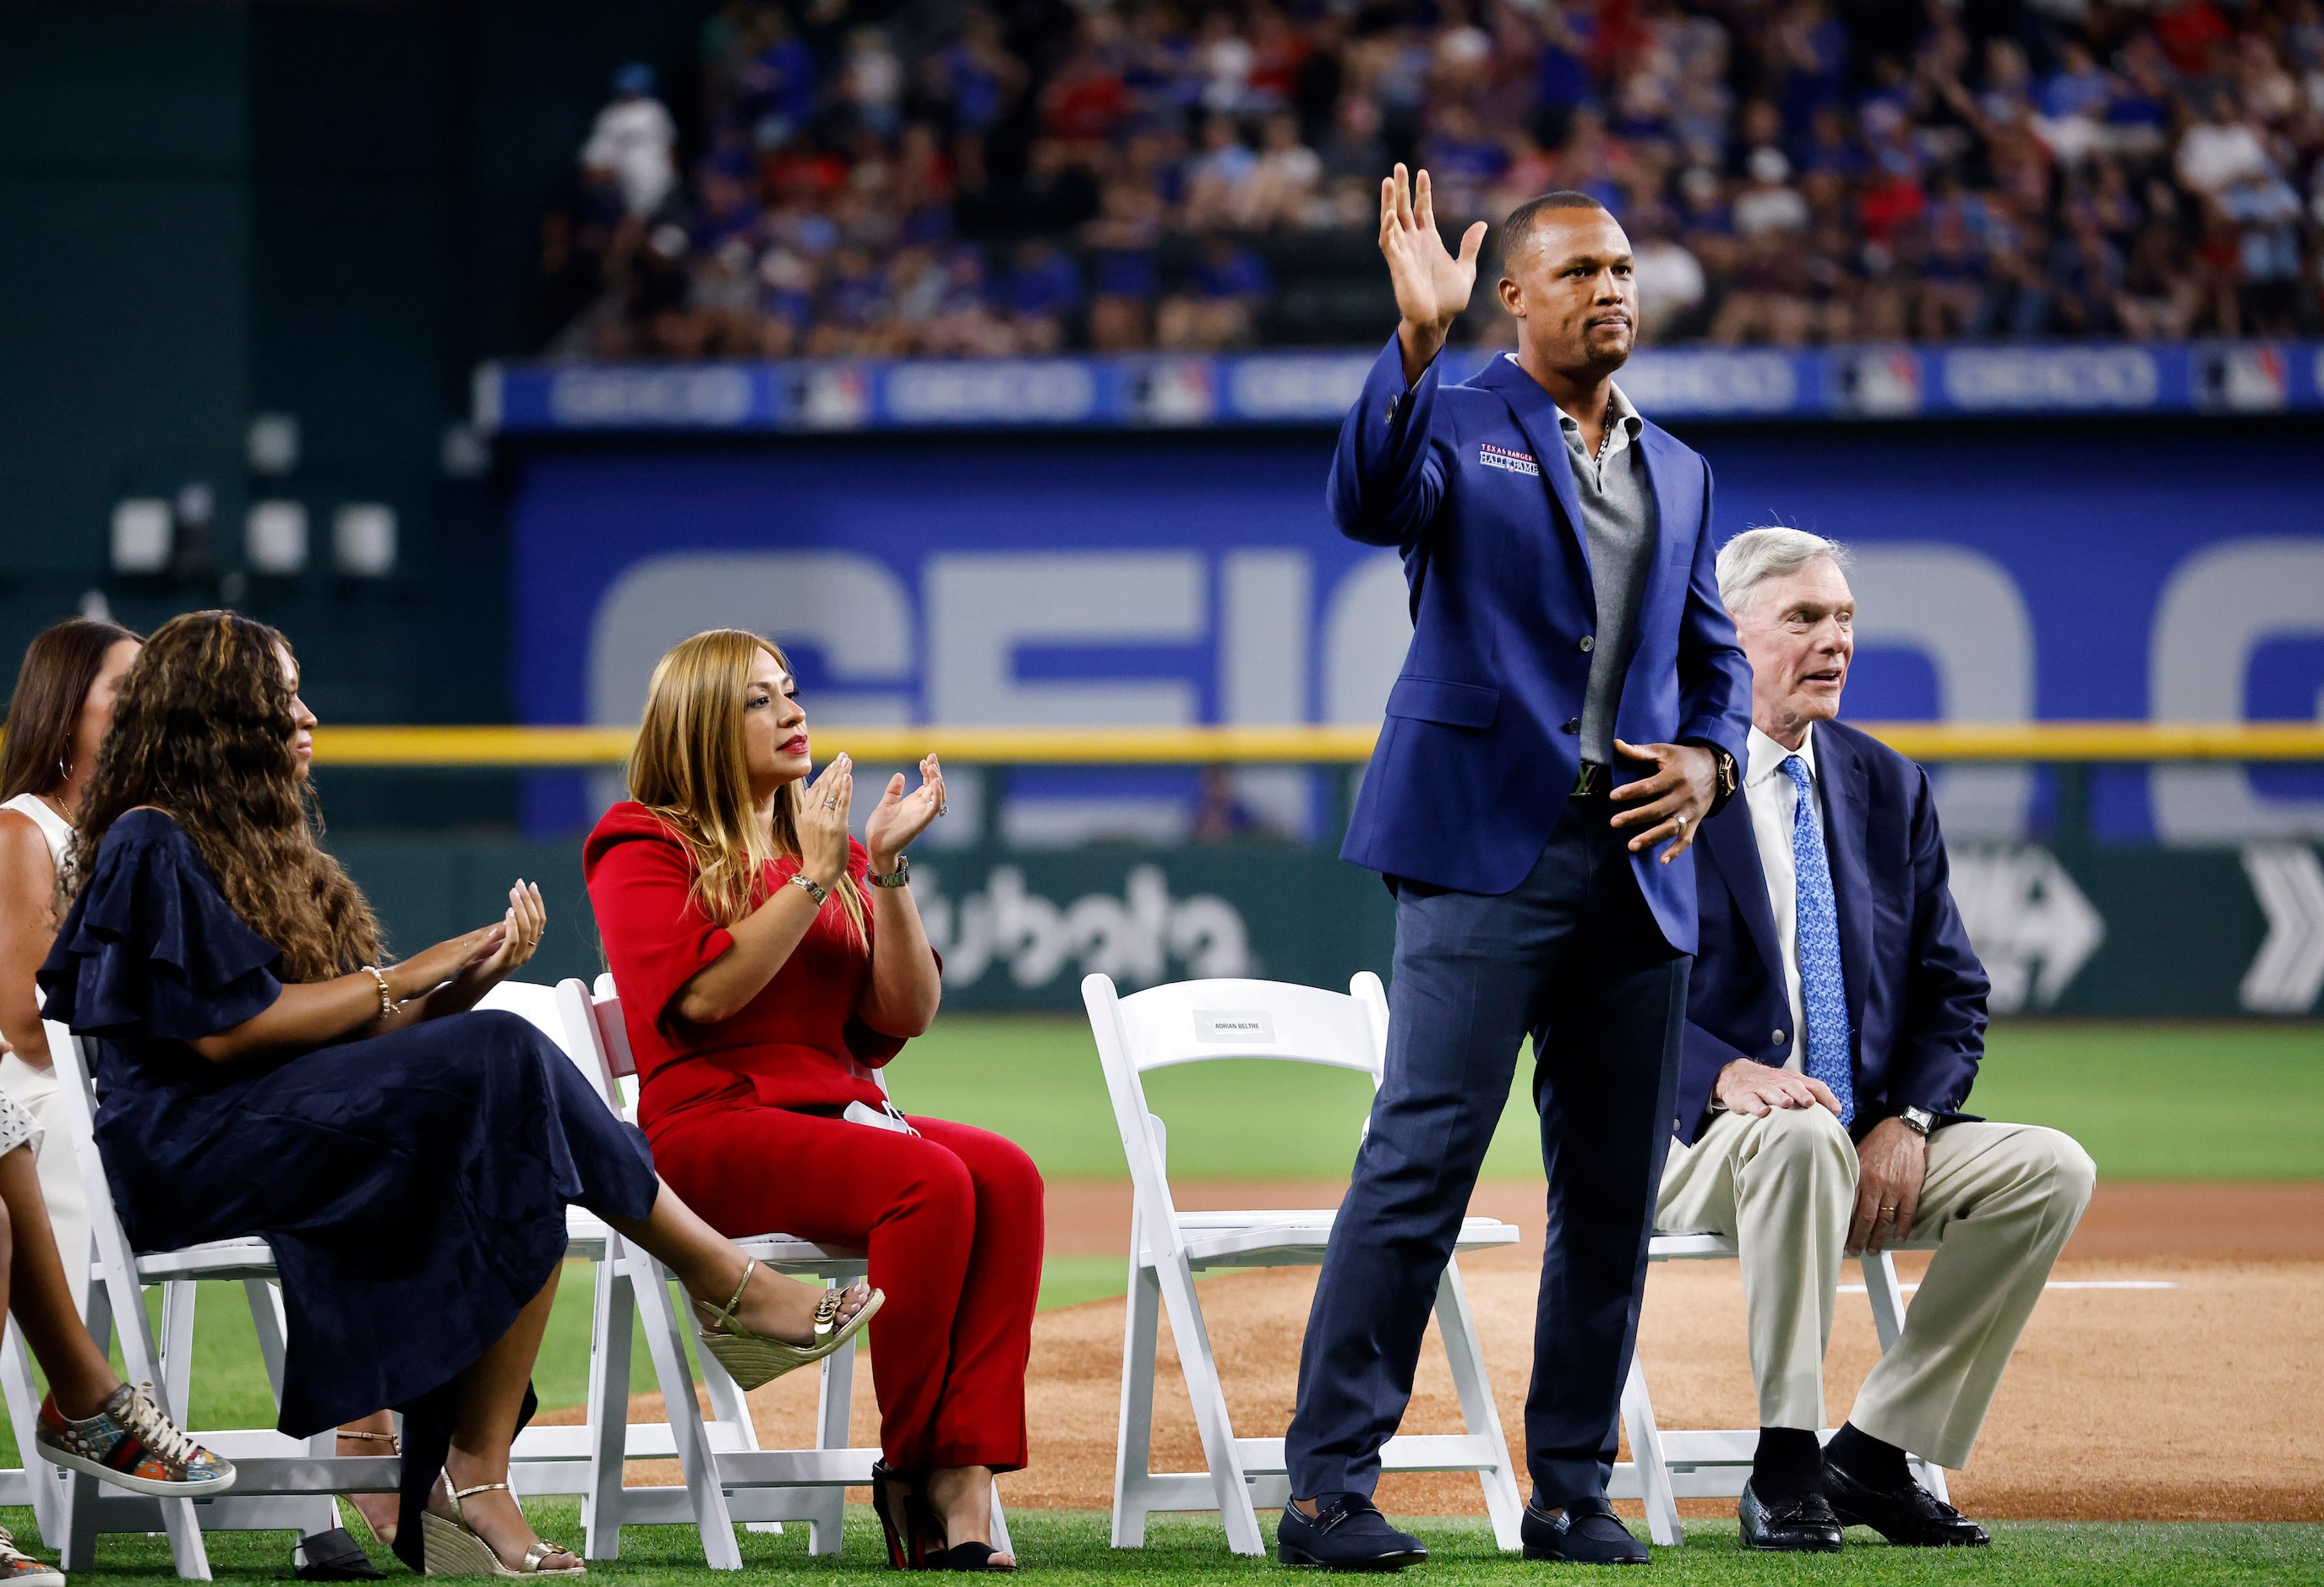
x: 413, y: 1186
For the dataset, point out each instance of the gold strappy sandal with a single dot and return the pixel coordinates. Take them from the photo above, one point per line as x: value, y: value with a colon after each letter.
x: 452, y: 1547
x: 383, y: 1535
x: 750, y: 1359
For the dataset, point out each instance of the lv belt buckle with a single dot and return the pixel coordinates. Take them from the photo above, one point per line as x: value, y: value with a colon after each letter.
x: 1592, y: 779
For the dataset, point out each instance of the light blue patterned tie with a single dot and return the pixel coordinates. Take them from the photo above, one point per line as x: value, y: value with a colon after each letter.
x: 1824, y: 994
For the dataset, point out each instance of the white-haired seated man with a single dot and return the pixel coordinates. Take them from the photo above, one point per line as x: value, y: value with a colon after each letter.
x: 1835, y: 1020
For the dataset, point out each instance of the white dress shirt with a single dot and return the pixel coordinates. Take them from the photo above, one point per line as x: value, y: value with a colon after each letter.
x: 1775, y: 803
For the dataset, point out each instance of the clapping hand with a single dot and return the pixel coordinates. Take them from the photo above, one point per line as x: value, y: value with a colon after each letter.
x: 822, y: 816
x: 901, y: 818
x: 1432, y: 285
x: 520, y: 931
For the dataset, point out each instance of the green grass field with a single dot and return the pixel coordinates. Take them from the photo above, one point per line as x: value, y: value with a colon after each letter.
x: 1069, y: 1549
x: 2216, y: 1101
x: 2154, y: 1101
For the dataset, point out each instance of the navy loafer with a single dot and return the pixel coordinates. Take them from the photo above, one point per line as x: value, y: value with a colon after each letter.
x: 1588, y: 1534
x: 1347, y: 1533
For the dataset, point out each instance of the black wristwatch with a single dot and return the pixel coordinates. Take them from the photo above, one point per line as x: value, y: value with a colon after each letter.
x: 1725, y: 779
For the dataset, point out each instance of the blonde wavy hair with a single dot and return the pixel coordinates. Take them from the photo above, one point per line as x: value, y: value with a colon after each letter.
x: 690, y: 768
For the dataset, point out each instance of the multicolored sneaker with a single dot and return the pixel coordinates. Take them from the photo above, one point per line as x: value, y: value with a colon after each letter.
x: 19, y: 1569
x: 130, y: 1444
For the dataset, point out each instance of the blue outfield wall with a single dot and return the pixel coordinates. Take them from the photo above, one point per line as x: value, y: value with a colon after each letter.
x: 2153, y: 569
x: 810, y: 397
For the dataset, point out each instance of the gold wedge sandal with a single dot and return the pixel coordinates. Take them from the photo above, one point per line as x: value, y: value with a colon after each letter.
x: 750, y: 1359
x: 452, y: 1547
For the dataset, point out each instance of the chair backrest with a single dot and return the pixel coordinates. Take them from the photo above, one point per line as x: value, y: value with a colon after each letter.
x: 1192, y: 1021
x: 76, y: 1104
x: 619, y: 1064
x: 544, y: 1007
x: 596, y: 1019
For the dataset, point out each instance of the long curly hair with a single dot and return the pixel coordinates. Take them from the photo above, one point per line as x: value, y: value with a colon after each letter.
x: 690, y: 768
x: 202, y: 729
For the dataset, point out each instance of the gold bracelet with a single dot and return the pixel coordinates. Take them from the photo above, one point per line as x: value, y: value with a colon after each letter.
x: 387, y: 1003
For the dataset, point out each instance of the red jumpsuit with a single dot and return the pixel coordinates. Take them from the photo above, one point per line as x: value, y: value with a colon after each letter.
x: 745, y: 1118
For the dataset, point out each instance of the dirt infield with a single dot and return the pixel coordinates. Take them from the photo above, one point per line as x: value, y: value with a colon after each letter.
x: 2193, y: 1402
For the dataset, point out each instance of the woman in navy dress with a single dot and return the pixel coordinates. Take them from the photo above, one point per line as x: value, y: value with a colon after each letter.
x: 409, y: 1160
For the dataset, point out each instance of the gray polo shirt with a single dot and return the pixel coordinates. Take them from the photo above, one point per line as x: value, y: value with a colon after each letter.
x: 1618, y: 516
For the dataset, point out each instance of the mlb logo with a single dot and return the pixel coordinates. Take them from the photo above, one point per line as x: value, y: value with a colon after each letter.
x: 1493, y: 457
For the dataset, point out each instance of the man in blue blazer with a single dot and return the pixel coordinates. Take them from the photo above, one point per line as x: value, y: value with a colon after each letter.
x: 1834, y: 1026
x: 1572, y: 706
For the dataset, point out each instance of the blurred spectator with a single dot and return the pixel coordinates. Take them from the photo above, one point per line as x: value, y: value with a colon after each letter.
x: 1228, y: 287
x: 1282, y: 179
x: 1044, y: 293
x: 633, y: 144
x: 1671, y: 282
x: 1118, y: 174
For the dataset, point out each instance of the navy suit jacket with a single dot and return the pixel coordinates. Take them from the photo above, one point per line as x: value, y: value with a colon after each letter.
x: 1479, y: 753
x: 1916, y: 989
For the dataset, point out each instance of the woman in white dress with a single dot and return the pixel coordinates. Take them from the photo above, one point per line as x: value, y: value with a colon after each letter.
x: 57, y: 718
x: 90, y: 1421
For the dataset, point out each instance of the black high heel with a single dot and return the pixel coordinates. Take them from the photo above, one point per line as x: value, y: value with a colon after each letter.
x: 937, y: 1551
x: 895, y: 1493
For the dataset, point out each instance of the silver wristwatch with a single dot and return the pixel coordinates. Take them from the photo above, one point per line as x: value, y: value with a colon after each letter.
x: 901, y: 876
x: 1919, y: 1121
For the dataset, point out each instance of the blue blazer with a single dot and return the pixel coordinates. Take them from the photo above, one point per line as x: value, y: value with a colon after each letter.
x: 1916, y: 989
x: 1479, y: 749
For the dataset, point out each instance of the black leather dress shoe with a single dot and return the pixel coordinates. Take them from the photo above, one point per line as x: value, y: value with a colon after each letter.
x: 1588, y: 1534
x: 1346, y: 1533
x: 1909, y: 1517
x: 1797, y: 1525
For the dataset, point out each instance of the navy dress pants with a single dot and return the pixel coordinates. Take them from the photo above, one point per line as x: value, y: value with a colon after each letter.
x: 1572, y: 957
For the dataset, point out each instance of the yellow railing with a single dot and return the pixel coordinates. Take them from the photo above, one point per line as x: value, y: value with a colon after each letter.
x: 517, y: 747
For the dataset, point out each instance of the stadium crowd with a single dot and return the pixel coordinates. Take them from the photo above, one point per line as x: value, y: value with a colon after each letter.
x: 869, y: 176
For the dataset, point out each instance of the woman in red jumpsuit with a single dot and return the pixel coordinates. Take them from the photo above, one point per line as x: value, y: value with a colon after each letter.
x: 768, y: 964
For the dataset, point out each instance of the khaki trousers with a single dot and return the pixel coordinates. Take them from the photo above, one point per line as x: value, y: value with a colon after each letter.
x: 1999, y: 1198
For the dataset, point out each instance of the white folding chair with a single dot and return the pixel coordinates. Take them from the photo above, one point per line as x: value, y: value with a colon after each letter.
x: 728, y: 1477
x: 1189, y: 1022
x: 1666, y: 1467
x: 283, y: 1483
x: 561, y: 1459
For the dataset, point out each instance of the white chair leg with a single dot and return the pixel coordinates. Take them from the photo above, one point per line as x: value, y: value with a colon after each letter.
x: 1889, y: 1308
x: 834, y: 1398
x: 1211, y: 1418
x: 667, y: 1346
x: 1647, y: 1454
x: 266, y: 1320
x: 1478, y: 1415
x: 179, y: 1299
x: 730, y: 1409
x: 1133, y: 1446
x: 609, y: 1405
x: 143, y: 1365
x: 23, y: 1397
